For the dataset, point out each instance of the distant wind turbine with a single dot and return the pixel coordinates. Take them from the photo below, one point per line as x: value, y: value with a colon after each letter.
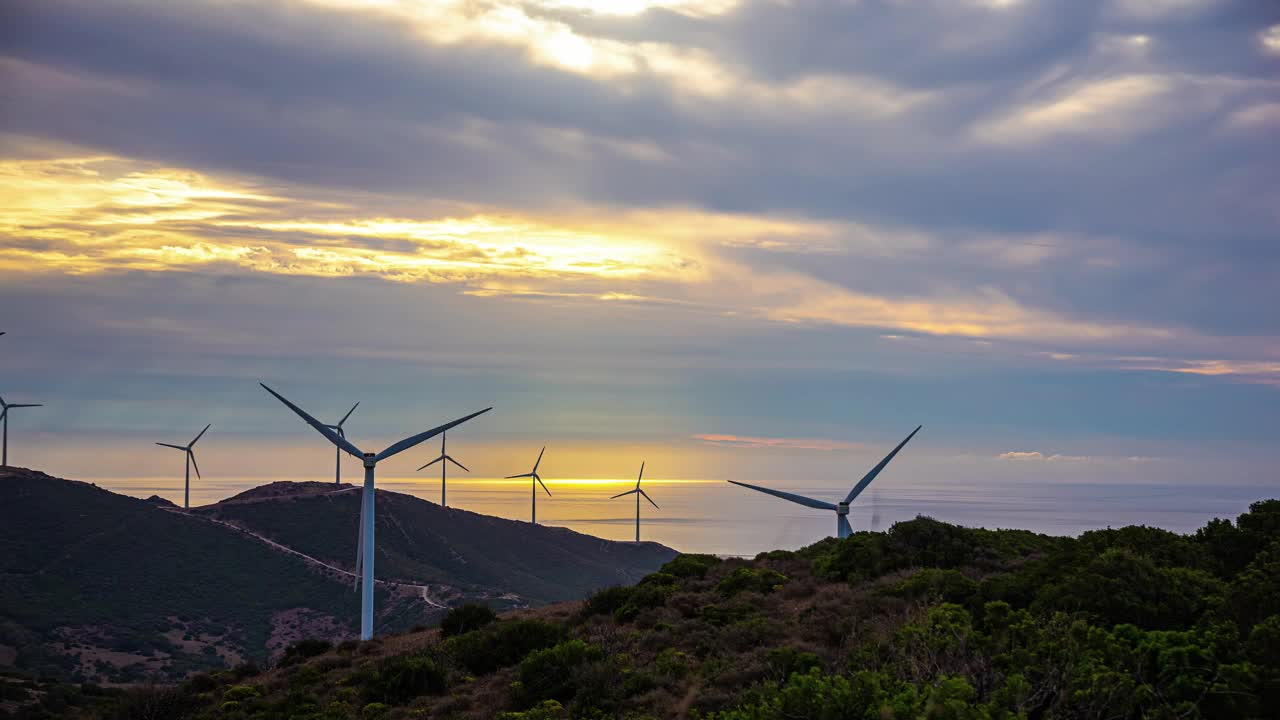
x: 370, y: 461
x: 638, y: 493
x: 843, y: 529
x: 337, y: 451
x: 191, y: 460
x: 537, y: 480
x: 4, y: 415
x: 444, y: 461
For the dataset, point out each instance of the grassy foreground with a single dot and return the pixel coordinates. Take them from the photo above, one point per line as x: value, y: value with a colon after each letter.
x: 926, y: 620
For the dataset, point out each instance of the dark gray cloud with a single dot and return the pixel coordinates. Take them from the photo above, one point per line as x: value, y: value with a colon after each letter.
x: 347, y: 103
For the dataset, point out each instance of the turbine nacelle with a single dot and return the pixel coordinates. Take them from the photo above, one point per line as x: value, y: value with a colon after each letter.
x: 842, y: 508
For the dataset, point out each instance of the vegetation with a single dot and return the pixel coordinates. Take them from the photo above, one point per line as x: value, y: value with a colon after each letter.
x: 927, y: 620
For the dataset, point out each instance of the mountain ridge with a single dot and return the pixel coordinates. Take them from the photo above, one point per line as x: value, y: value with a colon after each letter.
x: 110, y: 588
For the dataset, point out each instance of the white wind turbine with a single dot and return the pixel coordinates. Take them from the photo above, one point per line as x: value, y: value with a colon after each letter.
x: 367, y: 515
x: 444, y: 461
x: 537, y: 480
x: 638, y: 493
x: 843, y: 529
x: 4, y: 416
x: 337, y: 451
x: 191, y: 460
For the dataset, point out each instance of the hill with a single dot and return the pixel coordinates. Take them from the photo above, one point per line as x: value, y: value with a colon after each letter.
x: 103, y: 587
x: 460, y: 554
x: 927, y: 620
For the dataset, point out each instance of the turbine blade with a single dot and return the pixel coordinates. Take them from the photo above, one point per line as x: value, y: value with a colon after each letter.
x: 409, y: 442
x: 641, y: 474
x: 433, y: 462
x: 651, y: 502
x: 175, y: 447
x: 513, y: 477
x: 539, y: 460
x: 330, y: 435
x: 629, y: 492
x: 202, y: 432
x: 194, y: 464
x: 344, y: 417
x: 866, y: 479
x: 455, y: 462
x: 14, y: 405
x: 800, y: 499
x: 4, y: 412
x: 544, y: 485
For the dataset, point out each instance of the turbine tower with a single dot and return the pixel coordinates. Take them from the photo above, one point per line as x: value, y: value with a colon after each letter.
x: 370, y: 461
x: 638, y: 493
x: 337, y: 451
x: 444, y: 461
x: 537, y: 480
x: 843, y: 529
x: 4, y: 416
x: 191, y: 460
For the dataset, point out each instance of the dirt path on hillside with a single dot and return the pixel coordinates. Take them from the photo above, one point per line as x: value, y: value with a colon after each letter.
x: 424, y: 591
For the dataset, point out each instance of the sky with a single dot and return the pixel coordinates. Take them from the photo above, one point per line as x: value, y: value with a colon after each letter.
x: 755, y: 240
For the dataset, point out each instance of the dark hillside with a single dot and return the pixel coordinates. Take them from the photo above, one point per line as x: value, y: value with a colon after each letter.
x: 424, y: 543
x: 103, y: 587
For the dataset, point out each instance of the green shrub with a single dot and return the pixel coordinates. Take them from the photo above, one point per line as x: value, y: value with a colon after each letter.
x: 550, y: 674
x: 401, y: 678
x: 502, y: 644
x: 786, y: 661
x: 763, y: 581
x: 607, y: 601
x: 932, y: 583
x: 242, y: 692
x: 465, y: 618
x: 690, y: 566
x: 304, y: 649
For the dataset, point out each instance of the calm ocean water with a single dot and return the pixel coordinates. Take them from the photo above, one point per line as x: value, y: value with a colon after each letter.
x: 713, y: 516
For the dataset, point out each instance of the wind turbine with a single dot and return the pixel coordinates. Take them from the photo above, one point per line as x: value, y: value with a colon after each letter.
x: 337, y: 451
x: 537, y: 480
x: 4, y: 415
x: 370, y: 461
x: 444, y: 461
x: 191, y: 460
x: 843, y: 529
x: 638, y: 492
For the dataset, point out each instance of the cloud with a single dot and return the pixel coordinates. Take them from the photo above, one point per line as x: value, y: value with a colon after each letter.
x: 1036, y: 456
x: 1040, y: 457
x: 739, y: 441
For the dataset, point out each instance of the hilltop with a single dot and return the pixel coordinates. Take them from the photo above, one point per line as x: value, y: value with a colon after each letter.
x: 460, y: 554
x: 926, y: 620
x: 108, y: 588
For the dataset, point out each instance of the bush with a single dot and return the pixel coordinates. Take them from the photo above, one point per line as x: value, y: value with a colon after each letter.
x: 606, y: 601
x: 400, y: 679
x: 153, y: 703
x: 690, y: 566
x: 304, y: 649
x: 465, y: 618
x: 551, y: 674
x: 242, y: 692
x: 502, y: 644
x: 746, y: 578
